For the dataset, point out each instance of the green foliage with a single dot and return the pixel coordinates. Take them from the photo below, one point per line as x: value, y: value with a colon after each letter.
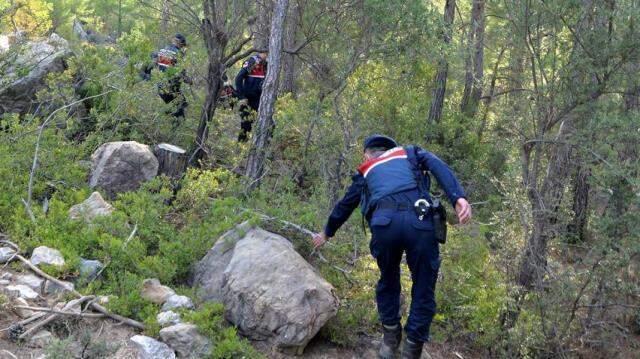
x: 472, y: 293
x: 226, y: 344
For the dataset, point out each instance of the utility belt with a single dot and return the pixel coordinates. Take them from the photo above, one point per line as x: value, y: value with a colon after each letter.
x: 423, y: 209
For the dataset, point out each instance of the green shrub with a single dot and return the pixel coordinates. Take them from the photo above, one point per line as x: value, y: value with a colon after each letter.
x: 227, y: 345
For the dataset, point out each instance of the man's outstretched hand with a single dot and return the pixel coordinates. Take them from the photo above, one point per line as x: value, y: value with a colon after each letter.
x: 319, y: 239
x: 463, y: 210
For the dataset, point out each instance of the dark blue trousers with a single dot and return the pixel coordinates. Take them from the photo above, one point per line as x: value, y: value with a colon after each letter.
x: 396, y: 232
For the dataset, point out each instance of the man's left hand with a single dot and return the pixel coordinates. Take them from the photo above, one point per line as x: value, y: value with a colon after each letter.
x: 319, y: 239
x: 463, y: 210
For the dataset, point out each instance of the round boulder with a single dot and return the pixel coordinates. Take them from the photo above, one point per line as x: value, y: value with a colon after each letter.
x: 122, y: 166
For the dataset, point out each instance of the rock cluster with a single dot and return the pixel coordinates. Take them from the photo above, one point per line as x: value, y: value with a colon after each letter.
x: 181, y: 337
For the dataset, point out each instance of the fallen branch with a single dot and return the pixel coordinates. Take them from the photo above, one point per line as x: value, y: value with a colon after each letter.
x: 95, y: 306
x: 60, y: 312
x: 10, y: 353
x: 52, y: 317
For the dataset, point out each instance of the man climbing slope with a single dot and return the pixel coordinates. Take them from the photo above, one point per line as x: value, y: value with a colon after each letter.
x: 169, y: 89
x: 249, y: 89
x: 392, y: 189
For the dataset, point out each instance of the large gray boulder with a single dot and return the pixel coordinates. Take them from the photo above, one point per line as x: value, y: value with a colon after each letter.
x: 24, y: 67
x: 122, y: 166
x: 269, y: 291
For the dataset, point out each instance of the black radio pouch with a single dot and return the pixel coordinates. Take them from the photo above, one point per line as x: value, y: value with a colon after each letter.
x: 439, y: 222
x: 438, y: 211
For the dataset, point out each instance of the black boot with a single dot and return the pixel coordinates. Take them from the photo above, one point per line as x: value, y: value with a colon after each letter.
x: 411, y: 350
x: 390, y: 341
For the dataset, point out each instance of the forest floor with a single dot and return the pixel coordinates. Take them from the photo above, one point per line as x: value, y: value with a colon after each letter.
x: 104, y: 338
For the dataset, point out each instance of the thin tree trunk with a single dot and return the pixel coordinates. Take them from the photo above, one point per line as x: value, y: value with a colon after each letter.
x: 474, y: 62
x: 119, y: 18
x: 262, y: 23
x: 437, y: 95
x: 545, y: 203
x: 215, y: 40
x: 287, y: 85
x: 265, y: 123
x: 164, y: 21
x: 578, y: 226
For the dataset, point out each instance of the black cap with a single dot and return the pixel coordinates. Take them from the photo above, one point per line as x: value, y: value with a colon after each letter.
x: 380, y: 141
x: 181, y: 39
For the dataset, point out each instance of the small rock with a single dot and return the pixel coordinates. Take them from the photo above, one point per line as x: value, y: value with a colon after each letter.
x: 149, y: 348
x: 31, y: 281
x: 177, y: 301
x: 22, y: 313
x: 155, y: 292
x: 168, y: 318
x: 186, y: 341
x: 47, y: 255
x: 103, y: 299
x: 41, y: 339
x: 89, y: 268
x: 21, y: 290
x: 4, y: 282
x: 92, y: 207
x: 6, y: 275
x: 6, y: 254
x: 55, y: 288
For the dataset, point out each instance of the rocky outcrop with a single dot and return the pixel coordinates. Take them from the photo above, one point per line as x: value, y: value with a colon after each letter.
x: 122, y: 166
x: 168, y: 318
x: 92, y: 207
x: 269, y: 291
x: 149, y: 348
x: 24, y: 67
x: 31, y: 281
x: 186, y: 341
x: 177, y: 301
x: 46, y: 255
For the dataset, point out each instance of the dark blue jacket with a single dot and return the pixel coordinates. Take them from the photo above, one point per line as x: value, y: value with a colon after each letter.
x: 250, y: 79
x: 427, y: 160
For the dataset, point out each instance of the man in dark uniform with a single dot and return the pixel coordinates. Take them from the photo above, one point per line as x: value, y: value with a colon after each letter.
x: 389, y: 191
x: 249, y: 89
x: 166, y: 61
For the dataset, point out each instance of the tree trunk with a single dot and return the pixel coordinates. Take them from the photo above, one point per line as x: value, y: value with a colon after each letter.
x: 262, y: 23
x: 474, y: 63
x: 578, y: 226
x: 172, y: 160
x: 265, y: 123
x: 164, y: 20
x: 437, y: 95
x: 287, y: 85
x: 215, y: 40
x: 545, y: 203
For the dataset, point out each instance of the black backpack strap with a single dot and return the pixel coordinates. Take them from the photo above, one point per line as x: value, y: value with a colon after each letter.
x: 412, y: 157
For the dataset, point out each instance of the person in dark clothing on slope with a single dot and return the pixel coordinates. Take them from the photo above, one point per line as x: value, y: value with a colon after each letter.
x: 249, y: 83
x: 166, y: 60
x: 392, y: 190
